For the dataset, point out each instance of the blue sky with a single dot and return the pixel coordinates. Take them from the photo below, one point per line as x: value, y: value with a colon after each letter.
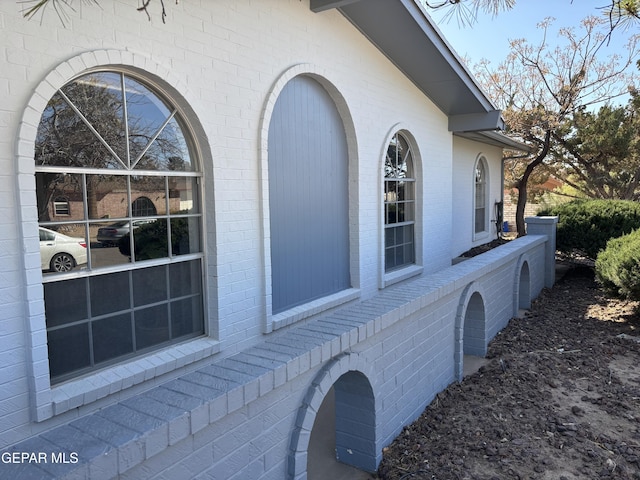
x: 489, y: 37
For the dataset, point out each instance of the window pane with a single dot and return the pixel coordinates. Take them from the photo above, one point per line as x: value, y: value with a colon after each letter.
x: 65, y: 301
x: 186, y: 317
x: 112, y: 337
x: 401, y: 212
x: 110, y: 243
x: 150, y: 240
x: 149, y: 285
x: 480, y: 218
x: 183, y: 195
x: 185, y: 235
x: 56, y: 192
x: 388, y: 259
x: 409, y: 211
x: 110, y: 293
x: 408, y: 164
x: 185, y: 278
x: 146, y: 114
x: 107, y: 196
x: 64, y: 139
x: 408, y: 233
x: 148, y: 196
x: 98, y: 96
x: 63, y: 249
x: 480, y: 194
x: 168, y: 151
x: 389, y: 237
x: 391, y: 189
x: 68, y: 349
x: 400, y: 231
x: 408, y: 254
x: 480, y: 172
x: 399, y: 254
x: 401, y: 190
x: 152, y: 326
x: 392, y: 213
x: 390, y: 163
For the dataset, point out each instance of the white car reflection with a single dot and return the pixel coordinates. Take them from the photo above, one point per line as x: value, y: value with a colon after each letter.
x: 60, y: 253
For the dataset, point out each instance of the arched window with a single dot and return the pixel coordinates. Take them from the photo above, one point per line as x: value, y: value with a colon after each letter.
x: 399, y: 204
x: 143, y: 207
x: 480, y: 198
x: 115, y: 287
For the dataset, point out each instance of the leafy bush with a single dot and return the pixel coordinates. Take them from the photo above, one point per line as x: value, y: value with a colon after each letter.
x: 151, y: 240
x: 587, y: 225
x: 618, y: 266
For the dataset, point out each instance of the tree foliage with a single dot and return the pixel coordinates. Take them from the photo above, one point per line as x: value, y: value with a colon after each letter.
x: 541, y: 88
x: 585, y: 226
x: 618, y: 266
x: 602, y: 157
x: 620, y: 13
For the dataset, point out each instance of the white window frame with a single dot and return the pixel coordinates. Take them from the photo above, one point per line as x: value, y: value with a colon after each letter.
x: 416, y: 268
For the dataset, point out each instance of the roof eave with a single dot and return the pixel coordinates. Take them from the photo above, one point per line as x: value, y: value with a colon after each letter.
x: 497, y: 139
x: 406, y: 35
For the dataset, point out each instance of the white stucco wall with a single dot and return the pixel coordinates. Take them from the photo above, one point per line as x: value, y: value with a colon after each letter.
x: 223, y: 60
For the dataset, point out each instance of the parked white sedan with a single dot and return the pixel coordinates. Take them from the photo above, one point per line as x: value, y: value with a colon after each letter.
x: 60, y: 253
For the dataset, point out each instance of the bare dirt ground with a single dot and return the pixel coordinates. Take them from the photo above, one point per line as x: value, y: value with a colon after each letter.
x: 559, y: 399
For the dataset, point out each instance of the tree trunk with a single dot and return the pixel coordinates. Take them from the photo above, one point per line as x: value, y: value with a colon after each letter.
x: 524, y: 180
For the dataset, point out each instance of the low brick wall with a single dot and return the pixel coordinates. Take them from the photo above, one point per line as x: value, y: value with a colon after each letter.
x: 250, y: 415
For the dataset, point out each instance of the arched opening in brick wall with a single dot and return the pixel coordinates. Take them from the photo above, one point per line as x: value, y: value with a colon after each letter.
x: 474, y: 327
x: 342, y: 442
x: 524, y: 288
x: 335, y: 432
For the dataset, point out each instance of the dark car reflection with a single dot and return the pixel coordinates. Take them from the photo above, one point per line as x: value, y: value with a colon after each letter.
x: 110, y: 235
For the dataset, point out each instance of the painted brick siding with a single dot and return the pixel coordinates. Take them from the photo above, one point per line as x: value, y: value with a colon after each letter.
x: 233, y: 420
x: 466, y: 153
x: 223, y: 63
x: 224, y: 58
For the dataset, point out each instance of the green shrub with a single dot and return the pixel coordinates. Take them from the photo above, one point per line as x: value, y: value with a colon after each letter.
x: 587, y: 225
x: 151, y: 240
x: 618, y: 266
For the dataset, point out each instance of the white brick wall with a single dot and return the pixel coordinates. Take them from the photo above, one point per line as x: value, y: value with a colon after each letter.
x: 222, y: 61
x: 466, y: 153
x: 223, y: 58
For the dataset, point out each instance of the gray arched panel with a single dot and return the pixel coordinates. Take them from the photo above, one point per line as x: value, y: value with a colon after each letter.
x: 308, y: 196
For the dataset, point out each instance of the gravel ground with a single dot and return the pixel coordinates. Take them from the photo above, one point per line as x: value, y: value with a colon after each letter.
x: 559, y: 398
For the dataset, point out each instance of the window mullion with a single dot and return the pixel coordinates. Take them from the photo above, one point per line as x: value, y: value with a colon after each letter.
x: 125, y: 120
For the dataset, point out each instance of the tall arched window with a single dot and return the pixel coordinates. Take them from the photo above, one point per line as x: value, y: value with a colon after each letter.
x: 480, y: 199
x: 399, y: 204
x: 115, y: 288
